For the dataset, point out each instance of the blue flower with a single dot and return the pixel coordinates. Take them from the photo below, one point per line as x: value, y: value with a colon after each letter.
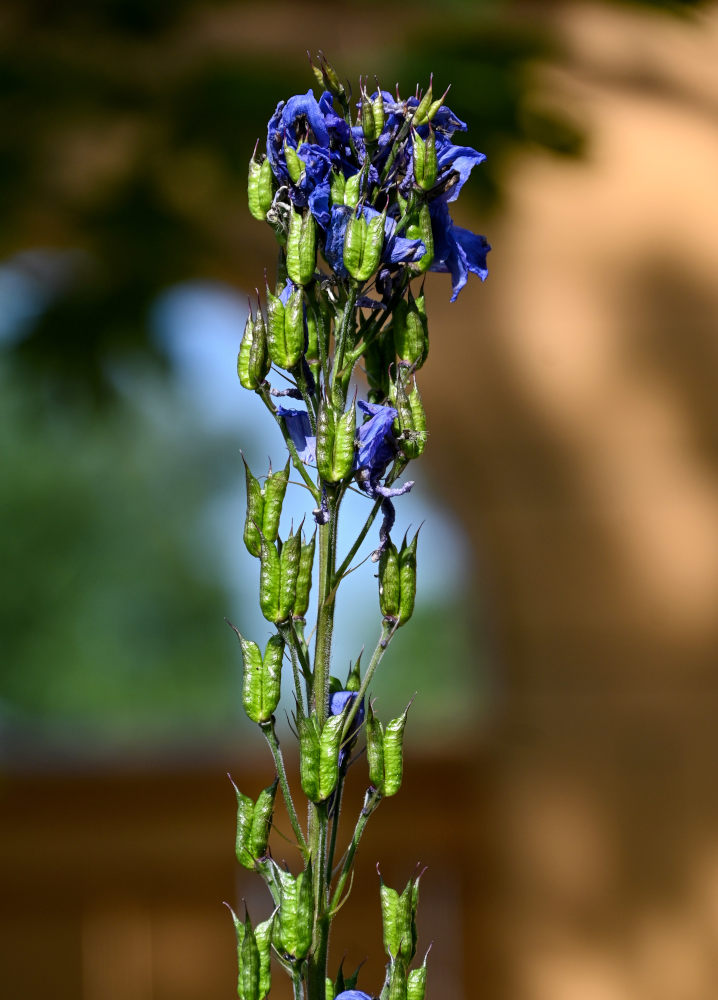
x: 376, y: 446
x: 456, y: 250
x: 459, y: 160
x: 397, y: 249
x: 300, y: 432
x: 352, y: 995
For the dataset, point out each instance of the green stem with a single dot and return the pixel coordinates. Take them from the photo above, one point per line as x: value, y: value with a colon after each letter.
x: 271, y: 738
x: 355, y: 547
x: 297, y: 984
x: 335, y: 824
x: 372, y: 798
x: 289, y: 637
x: 387, y: 632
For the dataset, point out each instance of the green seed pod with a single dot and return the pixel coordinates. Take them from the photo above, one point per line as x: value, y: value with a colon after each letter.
x: 274, y: 489
x: 335, y: 443
x: 262, y: 821
x: 260, y: 187
x: 363, y: 245
x: 394, y: 754
x: 351, y: 190
x: 397, y: 981
x: 328, y: 989
x: 389, y: 585
x: 301, y: 246
x: 262, y: 677
x: 378, y: 360
x: 304, y: 578
x: 411, y: 331
x: 420, y: 228
x: 375, y: 750
x: 407, y: 579
x: 326, y: 77
x: 423, y: 109
x: 263, y: 937
x: 329, y: 755
x: 252, y: 359
x: 255, y: 512
x: 309, y: 757
x: 353, y: 681
x: 245, y: 814
x: 410, y: 424
x: 337, y: 185
x: 248, y: 985
x: 372, y: 115
x: 389, y: 899
x: 269, y: 580
x: 295, y: 167
x: 276, y: 342
x: 288, y: 572
x: 293, y: 924
x: 305, y: 912
x: 294, y: 328
x: 416, y: 983
x: 406, y: 924
x: 426, y: 167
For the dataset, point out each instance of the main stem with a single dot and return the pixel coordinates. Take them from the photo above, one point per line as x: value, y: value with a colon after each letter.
x: 318, y: 818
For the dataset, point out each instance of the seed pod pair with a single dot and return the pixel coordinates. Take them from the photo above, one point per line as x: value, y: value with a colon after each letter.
x: 301, y: 246
x: 397, y: 580
x: 411, y: 330
x: 426, y: 167
x: 398, y: 913
x: 363, y: 244
x: 304, y: 578
x: 254, y: 823
x: 410, y: 423
x: 385, y: 752
x: 253, y: 358
x: 278, y: 573
x: 319, y: 756
x: 372, y: 115
x: 264, y: 507
x: 427, y: 106
x: 262, y: 677
x: 327, y: 78
x: 285, y: 329
x: 335, y: 442
x: 260, y: 187
x: 293, y: 923
x: 254, y: 948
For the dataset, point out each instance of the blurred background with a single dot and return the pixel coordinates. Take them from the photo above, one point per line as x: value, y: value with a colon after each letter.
x: 560, y: 776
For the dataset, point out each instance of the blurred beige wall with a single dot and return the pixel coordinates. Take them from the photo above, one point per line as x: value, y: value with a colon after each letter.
x: 581, y: 448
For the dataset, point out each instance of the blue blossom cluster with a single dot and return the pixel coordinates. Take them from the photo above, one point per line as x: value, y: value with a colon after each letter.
x: 368, y: 187
x: 330, y: 149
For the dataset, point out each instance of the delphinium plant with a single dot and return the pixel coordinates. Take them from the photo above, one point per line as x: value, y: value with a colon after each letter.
x: 358, y: 197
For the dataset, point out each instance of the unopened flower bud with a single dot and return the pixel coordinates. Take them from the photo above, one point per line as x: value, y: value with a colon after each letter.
x: 260, y: 187
x: 301, y: 246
